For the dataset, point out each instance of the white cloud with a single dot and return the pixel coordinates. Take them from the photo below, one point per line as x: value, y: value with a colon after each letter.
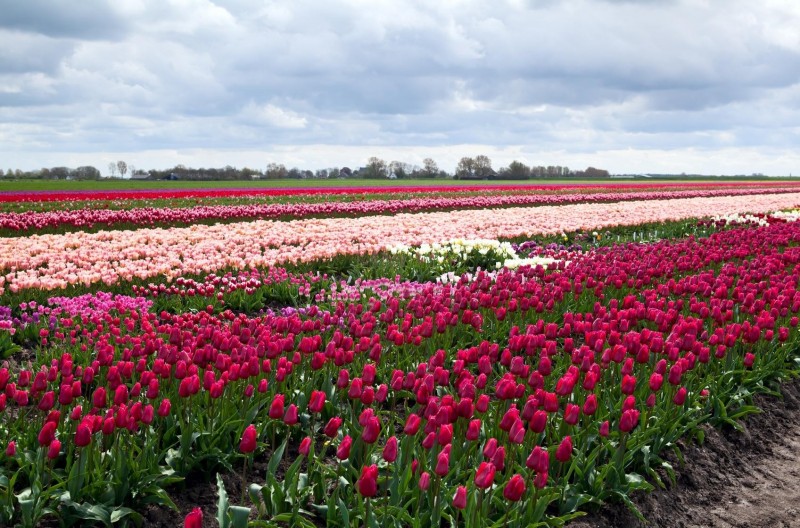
x: 623, y: 83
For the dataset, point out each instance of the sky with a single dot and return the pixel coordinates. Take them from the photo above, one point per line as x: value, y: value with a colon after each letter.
x: 647, y: 86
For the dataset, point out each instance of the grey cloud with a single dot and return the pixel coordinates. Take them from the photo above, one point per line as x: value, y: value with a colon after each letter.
x: 63, y: 18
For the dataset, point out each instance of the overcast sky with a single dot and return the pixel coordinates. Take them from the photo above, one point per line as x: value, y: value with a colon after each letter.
x: 696, y: 86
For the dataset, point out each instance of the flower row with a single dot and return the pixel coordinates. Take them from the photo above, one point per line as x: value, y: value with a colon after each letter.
x: 151, y: 216
x: 57, y: 261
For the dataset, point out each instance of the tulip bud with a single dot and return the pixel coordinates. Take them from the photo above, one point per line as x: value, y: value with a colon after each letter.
x: 367, y: 484
x: 305, y: 446
x: 484, y: 476
x: 249, y: 440
x: 390, y: 450
x: 515, y: 488
x: 564, y: 450
x: 460, y: 498
x: 343, y: 452
x: 194, y: 519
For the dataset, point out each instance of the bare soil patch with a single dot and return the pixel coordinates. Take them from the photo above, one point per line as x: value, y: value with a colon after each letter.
x: 736, y: 479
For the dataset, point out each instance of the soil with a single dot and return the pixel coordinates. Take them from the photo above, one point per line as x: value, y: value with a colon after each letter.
x: 736, y: 479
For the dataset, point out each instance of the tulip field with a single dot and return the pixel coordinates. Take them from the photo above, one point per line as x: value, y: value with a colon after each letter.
x: 461, y: 356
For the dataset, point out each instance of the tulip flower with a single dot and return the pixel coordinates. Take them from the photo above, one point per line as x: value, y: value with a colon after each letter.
x: 54, y: 449
x: 515, y: 488
x: 276, y: 409
x: 484, y: 476
x: 460, y: 498
x: 564, y: 450
x: 331, y: 429
x: 442, y: 464
x: 290, y: 418
x: 194, y: 519
x: 367, y: 484
x: 424, y: 481
x: 47, y: 434
x: 372, y: 430
x: 249, y: 439
x: 11, y: 449
x: 390, y: 450
x: 538, y: 460
x: 83, y: 435
x: 305, y: 446
x: 343, y: 452
x: 316, y: 402
x: 628, y: 420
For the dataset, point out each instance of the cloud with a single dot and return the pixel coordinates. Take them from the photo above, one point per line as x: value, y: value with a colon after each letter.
x: 571, y: 77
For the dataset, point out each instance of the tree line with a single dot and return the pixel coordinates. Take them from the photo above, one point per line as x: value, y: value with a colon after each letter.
x: 468, y: 168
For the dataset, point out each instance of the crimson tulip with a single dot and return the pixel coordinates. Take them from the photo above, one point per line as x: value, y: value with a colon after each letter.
x: 249, y: 439
x: 194, y: 519
x: 515, y: 488
x: 484, y: 476
x: 367, y: 484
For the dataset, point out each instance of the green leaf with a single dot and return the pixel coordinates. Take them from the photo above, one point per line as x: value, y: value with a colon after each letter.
x: 276, y: 457
x: 222, y: 504
x: 344, y: 513
x: 239, y: 516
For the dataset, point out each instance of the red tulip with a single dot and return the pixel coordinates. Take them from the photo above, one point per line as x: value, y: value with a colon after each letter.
x: 332, y: 427
x: 572, y: 414
x: 367, y: 484
x: 442, y: 464
x: 680, y: 396
x: 424, y: 481
x: 538, y: 460
x: 276, y: 410
x: 47, y: 434
x: 484, y: 476
x: 656, y: 380
x: 564, y: 450
x: 11, y: 450
x: 249, y: 439
x: 194, y: 519
x: 343, y: 452
x: 305, y: 446
x: 604, y: 429
x: 517, y: 432
x: 628, y: 420
x: 290, y: 418
x: 590, y: 405
x: 317, y: 401
x: 83, y: 435
x: 54, y: 449
x: 164, y: 408
x: 628, y: 384
x: 539, y: 421
x: 460, y: 498
x: 515, y: 488
x: 99, y: 397
x: 413, y: 423
x: 372, y: 430
x: 541, y: 480
x: 390, y: 450
x: 473, y: 430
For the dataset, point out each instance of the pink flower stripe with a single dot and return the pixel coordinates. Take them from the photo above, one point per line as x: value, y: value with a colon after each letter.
x: 56, y: 261
x: 149, y: 216
x: 122, y: 194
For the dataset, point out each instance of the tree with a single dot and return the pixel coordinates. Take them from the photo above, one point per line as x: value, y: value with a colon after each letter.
x: 483, y: 167
x: 429, y: 168
x: 276, y: 171
x: 2, y: 174
x: 86, y: 172
x: 112, y: 169
x: 122, y: 167
x: 59, y: 173
x: 465, y: 170
x: 517, y: 171
x: 376, y: 168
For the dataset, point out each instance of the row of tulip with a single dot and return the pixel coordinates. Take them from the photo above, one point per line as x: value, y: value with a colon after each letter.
x: 512, y: 397
x: 50, y: 262
x: 133, y: 194
x: 93, y: 218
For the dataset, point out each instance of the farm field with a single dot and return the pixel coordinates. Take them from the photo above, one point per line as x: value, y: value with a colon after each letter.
x: 420, y: 356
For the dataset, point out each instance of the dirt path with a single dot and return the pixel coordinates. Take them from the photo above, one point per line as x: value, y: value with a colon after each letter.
x: 747, y: 479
